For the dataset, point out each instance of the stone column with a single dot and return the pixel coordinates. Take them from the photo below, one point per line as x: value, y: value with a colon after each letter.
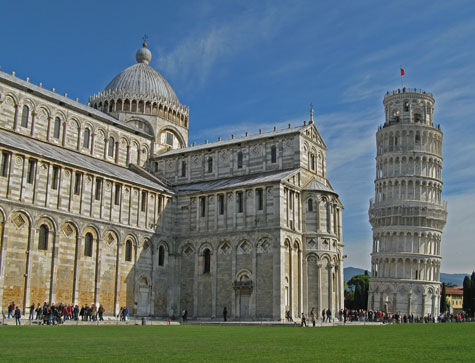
x: 278, y: 270
x: 423, y: 305
x: 331, y: 269
x: 291, y: 283
x: 341, y: 279
x: 63, y: 141
x: 93, y: 137
x: 117, y: 279
x: 15, y: 119
x: 305, y: 286
x: 300, y: 288
x: 319, y: 282
x: 106, y: 147
x: 31, y: 238
x: 54, y: 265
x: 233, y: 277
x: 195, y: 285
x: 97, y: 287
x: 76, y: 269
x: 33, y: 119
x: 253, y: 295
x: 317, y: 205
x: 214, y: 283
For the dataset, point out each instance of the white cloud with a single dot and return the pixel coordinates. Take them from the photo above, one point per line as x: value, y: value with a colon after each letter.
x: 458, y: 238
x: 195, y: 56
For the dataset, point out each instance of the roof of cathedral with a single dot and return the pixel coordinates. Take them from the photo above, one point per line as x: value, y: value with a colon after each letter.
x: 69, y: 103
x: 141, y: 80
x: 317, y: 186
x: 235, y: 182
x: 75, y: 159
x: 269, y: 134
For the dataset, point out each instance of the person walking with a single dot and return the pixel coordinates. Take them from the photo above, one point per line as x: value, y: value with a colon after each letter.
x: 225, y: 314
x: 329, y: 316
x: 323, y: 315
x: 17, y: 316
x: 313, y: 316
x: 32, y: 312
x: 101, y: 313
x: 304, y: 320
x: 39, y: 311
x: 11, y: 310
x: 94, y: 312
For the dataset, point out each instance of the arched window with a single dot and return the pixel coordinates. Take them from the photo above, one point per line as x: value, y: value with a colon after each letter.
x: 273, y: 154
x: 310, y: 205
x: 239, y: 160
x: 87, y: 137
x: 43, y: 237
x: 207, y: 261
x: 169, y: 139
x: 161, y: 256
x: 210, y: 164
x: 24, y: 116
x: 183, y: 168
x: 418, y: 139
x: 88, y: 245
x: 57, y: 127
x: 128, y: 250
x: 111, y: 149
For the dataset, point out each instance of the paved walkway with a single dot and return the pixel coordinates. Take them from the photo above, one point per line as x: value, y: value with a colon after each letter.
x: 161, y: 322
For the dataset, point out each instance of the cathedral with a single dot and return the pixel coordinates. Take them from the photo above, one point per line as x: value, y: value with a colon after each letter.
x: 108, y: 204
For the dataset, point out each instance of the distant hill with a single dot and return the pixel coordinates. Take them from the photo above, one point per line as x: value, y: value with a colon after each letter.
x: 456, y: 279
x: 349, y: 272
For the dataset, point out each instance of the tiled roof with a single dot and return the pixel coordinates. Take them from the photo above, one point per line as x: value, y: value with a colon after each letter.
x: 454, y: 290
x: 75, y: 159
x: 210, y: 145
x: 317, y: 186
x: 235, y: 182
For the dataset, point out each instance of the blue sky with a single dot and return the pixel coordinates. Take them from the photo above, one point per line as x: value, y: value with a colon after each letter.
x: 245, y: 65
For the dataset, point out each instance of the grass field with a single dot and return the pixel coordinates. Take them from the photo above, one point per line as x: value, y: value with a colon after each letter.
x: 390, y: 343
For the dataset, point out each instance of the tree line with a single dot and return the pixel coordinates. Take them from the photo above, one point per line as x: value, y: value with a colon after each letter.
x: 469, y: 294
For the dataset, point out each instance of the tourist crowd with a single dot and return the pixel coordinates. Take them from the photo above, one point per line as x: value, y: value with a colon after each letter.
x: 52, y: 314
x: 348, y: 316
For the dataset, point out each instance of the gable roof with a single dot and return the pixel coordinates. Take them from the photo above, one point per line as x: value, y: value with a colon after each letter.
x: 264, y: 135
x: 75, y: 159
x: 317, y: 186
x: 235, y: 182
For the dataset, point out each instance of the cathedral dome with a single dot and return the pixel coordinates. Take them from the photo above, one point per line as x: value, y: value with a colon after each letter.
x: 142, y: 80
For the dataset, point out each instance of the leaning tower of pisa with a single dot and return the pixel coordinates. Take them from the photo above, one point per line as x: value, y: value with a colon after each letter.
x: 407, y: 213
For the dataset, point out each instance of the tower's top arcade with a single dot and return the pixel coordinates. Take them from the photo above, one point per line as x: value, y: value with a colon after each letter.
x: 408, y: 105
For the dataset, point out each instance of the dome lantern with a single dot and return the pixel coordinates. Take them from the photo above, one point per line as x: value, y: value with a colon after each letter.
x: 143, y: 55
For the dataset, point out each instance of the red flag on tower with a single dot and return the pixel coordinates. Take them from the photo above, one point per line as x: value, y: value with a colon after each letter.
x: 402, y: 71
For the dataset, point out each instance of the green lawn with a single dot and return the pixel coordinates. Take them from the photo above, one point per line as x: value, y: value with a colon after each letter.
x: 393, y: 343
